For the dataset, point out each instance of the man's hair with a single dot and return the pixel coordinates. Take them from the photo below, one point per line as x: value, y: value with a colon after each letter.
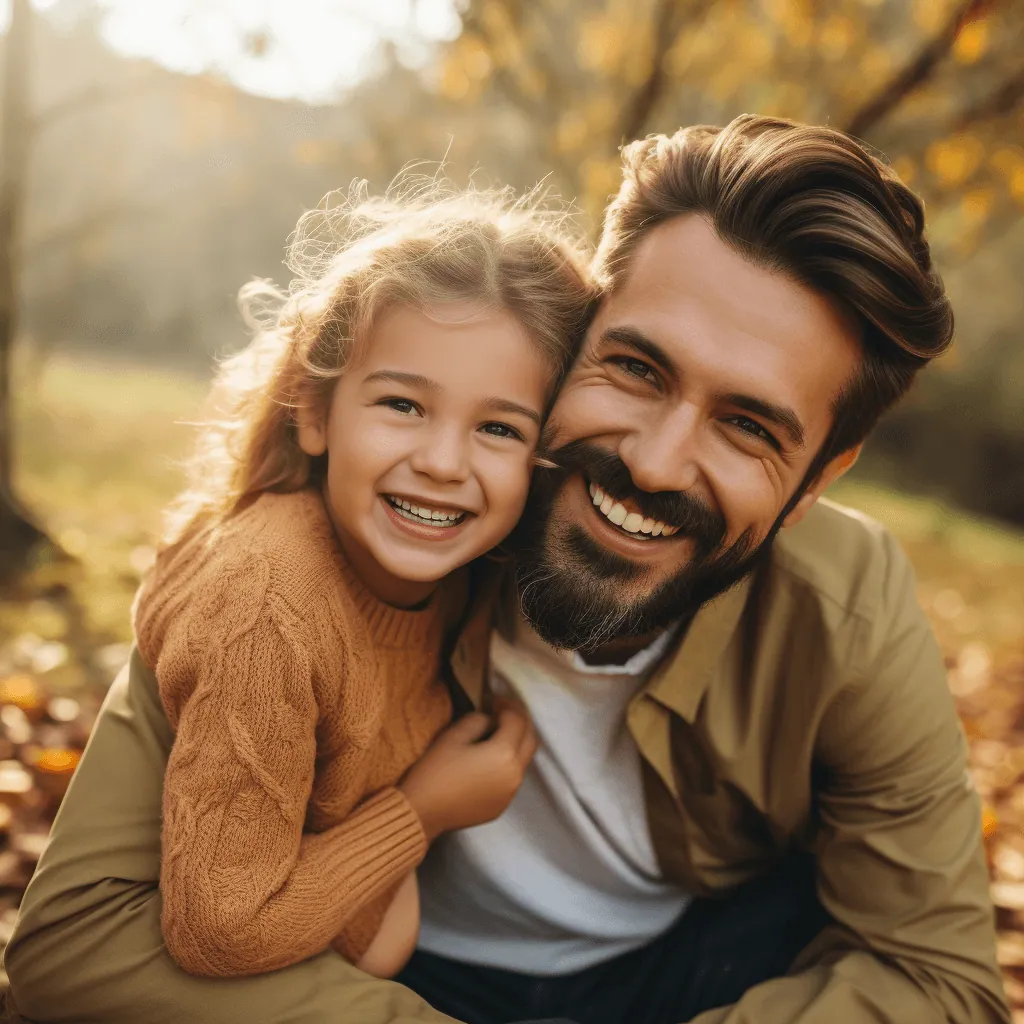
x: 811, y: 203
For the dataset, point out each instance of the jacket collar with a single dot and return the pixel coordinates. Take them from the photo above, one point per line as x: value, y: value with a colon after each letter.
x: 685, y: 675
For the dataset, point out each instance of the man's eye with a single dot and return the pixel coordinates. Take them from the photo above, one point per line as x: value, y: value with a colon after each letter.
x: 637, y: 368
x: 501, y: 430
x: 750, y: 426
x: 402, y: 405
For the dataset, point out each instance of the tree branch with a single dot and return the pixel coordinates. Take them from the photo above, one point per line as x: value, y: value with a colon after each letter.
x: 917, y: 72
x: 1003, y: 101
x: 670, y: 20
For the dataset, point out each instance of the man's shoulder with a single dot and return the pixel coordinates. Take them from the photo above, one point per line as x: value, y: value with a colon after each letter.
x: 843, y: 556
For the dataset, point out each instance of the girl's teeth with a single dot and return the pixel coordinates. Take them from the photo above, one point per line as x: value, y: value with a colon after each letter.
x: 426, y: 515
x: 618, y: 513
x: 606, y: 504
x: 656, y: 529
x: 647, y: 525
x: 596, y: 494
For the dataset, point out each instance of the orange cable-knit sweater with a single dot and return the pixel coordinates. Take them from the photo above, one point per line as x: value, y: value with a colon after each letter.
x: 299, y: 700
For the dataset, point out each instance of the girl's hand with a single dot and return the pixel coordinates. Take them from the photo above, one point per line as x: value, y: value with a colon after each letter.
x: 464, y: 780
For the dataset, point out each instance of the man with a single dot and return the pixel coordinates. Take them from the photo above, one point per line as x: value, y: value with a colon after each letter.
x: 750, y: 802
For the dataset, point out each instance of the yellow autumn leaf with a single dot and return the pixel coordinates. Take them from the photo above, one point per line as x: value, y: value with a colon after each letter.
x: 56, y: 760
x: 1017, y: 185
x: 571, y: 133
x: 972, y: 42
x: 955, y: 159
x: 836, y: 36
x: 976, y: 205
x: 905, y: 167
x: 989, y: 822
x: 600, y: 44
x: 930, y: 14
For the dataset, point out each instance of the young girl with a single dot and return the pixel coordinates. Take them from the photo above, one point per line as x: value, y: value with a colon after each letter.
x: 376, y: 435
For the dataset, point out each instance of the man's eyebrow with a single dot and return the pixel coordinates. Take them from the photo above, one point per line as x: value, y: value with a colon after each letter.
x: 412, y: 380
x: 504, y: 405
x: 782, y: 416
x: 636, y: 339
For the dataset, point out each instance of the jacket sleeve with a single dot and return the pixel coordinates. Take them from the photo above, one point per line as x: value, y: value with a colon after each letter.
x: 901, y: 866
x: 88, y: 946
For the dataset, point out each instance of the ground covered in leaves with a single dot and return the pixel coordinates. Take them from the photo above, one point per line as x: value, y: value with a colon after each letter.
x: 96, y: 456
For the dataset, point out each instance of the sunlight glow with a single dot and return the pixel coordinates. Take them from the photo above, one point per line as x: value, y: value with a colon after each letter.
x: 307, y: 49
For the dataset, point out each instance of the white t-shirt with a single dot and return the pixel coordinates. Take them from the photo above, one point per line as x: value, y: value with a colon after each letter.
x: 567, y: 876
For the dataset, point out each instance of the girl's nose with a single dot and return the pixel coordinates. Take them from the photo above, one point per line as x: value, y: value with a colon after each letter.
x: 443, y: 456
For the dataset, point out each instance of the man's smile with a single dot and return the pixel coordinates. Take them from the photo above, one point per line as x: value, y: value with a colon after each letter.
x: 636, y: 545
x: 626, y: 516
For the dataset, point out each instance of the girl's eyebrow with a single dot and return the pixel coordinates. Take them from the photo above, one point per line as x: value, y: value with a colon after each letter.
x: 412, y: 380
x: 504, y: 405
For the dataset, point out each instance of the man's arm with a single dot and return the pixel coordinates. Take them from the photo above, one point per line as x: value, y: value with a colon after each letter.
x: 88, y: 946
x: 900, y: 861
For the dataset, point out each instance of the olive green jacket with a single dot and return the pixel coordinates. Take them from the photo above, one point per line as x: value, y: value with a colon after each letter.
x: 805, y: 709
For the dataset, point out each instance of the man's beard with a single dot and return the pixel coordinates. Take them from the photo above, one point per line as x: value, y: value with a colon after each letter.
x: 571, y: 588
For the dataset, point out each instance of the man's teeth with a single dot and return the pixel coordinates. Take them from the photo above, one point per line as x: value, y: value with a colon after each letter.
x: 421, y: 514
x: 632, y: 522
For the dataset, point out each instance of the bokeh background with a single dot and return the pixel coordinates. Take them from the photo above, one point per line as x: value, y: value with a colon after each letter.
x: 156, y: 153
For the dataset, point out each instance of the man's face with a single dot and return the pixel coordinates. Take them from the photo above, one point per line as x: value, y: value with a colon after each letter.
x: 701, y: 395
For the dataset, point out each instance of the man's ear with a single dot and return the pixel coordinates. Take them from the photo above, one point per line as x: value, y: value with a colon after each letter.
x: 311, y: 429
x: 833, y: 470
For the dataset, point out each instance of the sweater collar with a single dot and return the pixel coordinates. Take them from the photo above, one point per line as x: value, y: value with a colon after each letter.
x: 389, y: 626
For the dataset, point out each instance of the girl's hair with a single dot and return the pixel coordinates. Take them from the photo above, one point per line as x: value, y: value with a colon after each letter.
x: 354, y: 258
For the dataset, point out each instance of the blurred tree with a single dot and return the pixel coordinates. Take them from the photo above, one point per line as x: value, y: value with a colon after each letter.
x: 18, y: 532
x: 594, y: 74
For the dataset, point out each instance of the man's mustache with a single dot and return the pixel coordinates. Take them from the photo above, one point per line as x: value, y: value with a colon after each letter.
x: 693, y: 517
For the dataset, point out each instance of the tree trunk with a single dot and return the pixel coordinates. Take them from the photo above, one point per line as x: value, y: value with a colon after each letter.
x: 18, y: 534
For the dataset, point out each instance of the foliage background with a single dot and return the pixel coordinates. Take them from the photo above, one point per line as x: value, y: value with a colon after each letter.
x: 150, y: 196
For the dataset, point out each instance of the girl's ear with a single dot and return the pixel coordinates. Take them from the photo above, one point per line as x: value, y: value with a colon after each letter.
x: 311, y: 427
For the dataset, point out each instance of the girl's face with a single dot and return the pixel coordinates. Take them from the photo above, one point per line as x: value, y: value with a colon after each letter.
x: 429, y: 440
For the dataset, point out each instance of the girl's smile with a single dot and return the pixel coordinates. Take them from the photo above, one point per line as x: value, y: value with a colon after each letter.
x: 428, y: 520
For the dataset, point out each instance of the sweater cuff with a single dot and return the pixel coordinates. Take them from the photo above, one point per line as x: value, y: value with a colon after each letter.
x: 384, y: 841
x: 361, y: 930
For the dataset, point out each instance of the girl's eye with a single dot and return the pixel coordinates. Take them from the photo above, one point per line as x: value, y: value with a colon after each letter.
x: 749, y: 426
x: 402, y: 405
x: 501, y: 430
x: 637, y: 368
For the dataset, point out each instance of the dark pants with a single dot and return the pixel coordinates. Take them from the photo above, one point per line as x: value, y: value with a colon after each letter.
x: 715, y: 951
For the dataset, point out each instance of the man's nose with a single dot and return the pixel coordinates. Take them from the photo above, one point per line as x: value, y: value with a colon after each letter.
x: 443, y: 455
x: 664, y: 454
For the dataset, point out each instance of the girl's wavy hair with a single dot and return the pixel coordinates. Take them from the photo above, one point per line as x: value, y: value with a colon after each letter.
x: 355, y: 257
